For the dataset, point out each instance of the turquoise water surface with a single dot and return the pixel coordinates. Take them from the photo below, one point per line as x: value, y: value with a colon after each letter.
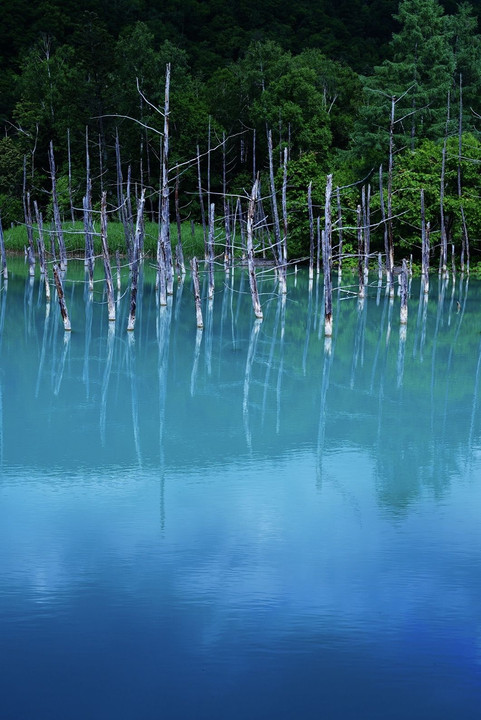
x: 245, y: 521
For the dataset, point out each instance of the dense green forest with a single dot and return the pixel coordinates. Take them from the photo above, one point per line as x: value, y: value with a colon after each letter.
x: 321, y: 75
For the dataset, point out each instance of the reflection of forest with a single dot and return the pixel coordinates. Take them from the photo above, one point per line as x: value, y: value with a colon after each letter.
x: 168, y: 395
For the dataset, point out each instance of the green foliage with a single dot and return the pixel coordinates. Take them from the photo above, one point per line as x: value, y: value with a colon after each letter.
x: 419, y: 75
x: 11, y: 179
x: 421, y: 169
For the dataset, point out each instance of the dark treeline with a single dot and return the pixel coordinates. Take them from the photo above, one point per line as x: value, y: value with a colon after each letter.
x: 321, y: 76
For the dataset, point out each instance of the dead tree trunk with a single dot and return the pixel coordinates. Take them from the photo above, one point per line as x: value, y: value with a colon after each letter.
x: 61, y: 298
x: 366, y: 221
x: 403, y: 281
x: 227, y: 250
x: 201, y: 201
x: 105, y: 252
x: 326, y: 268
x: 28, y: 222
x: 195, y: 280
x: 464, y: 228
x: 56, y: 212
x: 360, y: 252
x: 179, y: 254
x: 210, y: 253
x: 284, y: 218
x: 134, y: 270
x: 165, y: 214
x: 339, y: 230
x: 125, y: 214
x: 250, y: 252
x: 311, y: 231
x: 89, y: 242
x: 425, y: 247
x: 387, y: 247
x: 3, y: 253
x: 41, y: 251
x: 275, y: 212
x: 444, y: 238
x: 327, y: 218
x: 72, y: 214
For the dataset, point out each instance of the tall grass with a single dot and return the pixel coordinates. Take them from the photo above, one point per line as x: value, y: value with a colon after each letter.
x: 192, y: 238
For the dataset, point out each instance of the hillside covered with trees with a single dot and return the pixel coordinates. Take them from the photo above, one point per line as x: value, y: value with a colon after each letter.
x: 338, y: 84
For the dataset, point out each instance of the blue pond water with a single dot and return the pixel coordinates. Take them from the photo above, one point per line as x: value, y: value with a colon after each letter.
x: 244, y: 522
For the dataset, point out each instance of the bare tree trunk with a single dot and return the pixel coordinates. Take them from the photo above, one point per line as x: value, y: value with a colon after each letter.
x: 360, y: 251
x: 250, y: 252
x: 366, y: 202
x: 72, y: 215
x: 195, y: 279
x: 387, y: 246
x: 3, y: 253
x: 210, y: 253
x: 444, y: 238
x: 201, y: 201
x: 326, y: 268
x: 275, y: 213
x: 425, y: 247
x: 28, y: 221
x: 41, y: 251
x: 165, y: 220
x: 284, y: 218
x: 227, y: 251
x: 403, y: 281
x: 311, y: 231
x: 339, y: 230
x: 208, y: 169
x: 179, y: 254
x: 61, y: 298
x: 105, y: 252
x: 464, y: 228
x: 134, y: 269
x: 390, y: 238
x: 327, y: 218
x: 56, y: 212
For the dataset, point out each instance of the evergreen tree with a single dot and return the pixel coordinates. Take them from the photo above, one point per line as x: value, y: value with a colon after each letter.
x: 420, y: 72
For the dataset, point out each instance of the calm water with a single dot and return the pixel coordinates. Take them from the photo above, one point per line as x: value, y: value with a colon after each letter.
x: 240, y: 523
